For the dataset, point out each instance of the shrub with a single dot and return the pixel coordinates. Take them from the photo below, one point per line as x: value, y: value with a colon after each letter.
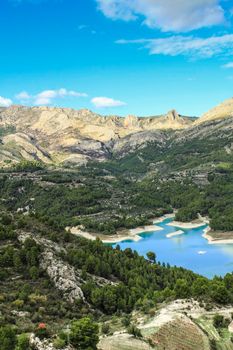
x: 218, y: 321
x: 59, y: 343
x: 105, y: 328
x: 134, y: 331
x: 84, y: 334
x: 18, y: 303
x: 7, y: 338
x: 23, y: 342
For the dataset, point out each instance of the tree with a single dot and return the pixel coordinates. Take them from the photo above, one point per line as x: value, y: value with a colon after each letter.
x: 182, y: 289
x: 228, y: 280
x: 105, y: 328
x: 219, y: 293
x: 84, y: 334
x: 34, y: 273
x: 218, y: 321
x: 200, y: 286
x: 7, y: 338
x: 151, y: 256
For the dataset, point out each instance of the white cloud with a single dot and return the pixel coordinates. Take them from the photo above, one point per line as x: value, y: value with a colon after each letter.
x: 46, y: 97
x: 23, y: 96
x: 168, y: 15
x: 186, y: 45
x: 42, y: 101
x: 228, y: 65
x: 106, y: 102
x: 5, y: 102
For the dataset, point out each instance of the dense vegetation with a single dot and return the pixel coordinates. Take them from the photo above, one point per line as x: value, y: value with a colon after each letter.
x: 104, y: 198
x: 107, y: 204
x: 142, y: 284
x: 136, y: 282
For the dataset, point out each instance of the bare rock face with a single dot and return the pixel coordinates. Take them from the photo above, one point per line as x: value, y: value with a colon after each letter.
x: 38, y: 344
x: 63, y: 276
x: 59, y: 135
x: 26, y: 147
x: 64, y: 136
x: 132, y: 142
x: 222, y: 111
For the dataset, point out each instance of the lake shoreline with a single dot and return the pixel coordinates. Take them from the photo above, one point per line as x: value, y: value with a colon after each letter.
x: 124, y: 235
x: 135, y: 233
x: 162, y: 218
x: 212, y: 240
x: 187, y: 225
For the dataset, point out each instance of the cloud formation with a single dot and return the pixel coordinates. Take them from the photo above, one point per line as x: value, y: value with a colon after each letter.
x: 228, y: 65
x: 46, y: 97
x: 186, y: 45
x: 167, y: 15
x: 106, y: 102
x: 23, y: 96
x: 5, y: 102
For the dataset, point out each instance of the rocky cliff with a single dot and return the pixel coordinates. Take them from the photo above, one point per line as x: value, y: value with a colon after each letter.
x: 67, y: 136
x: 58, y: 135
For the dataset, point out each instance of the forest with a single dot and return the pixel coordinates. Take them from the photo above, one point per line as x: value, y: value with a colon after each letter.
x: 134, y: 283
x: 106, y: 205
x: 103, y: 199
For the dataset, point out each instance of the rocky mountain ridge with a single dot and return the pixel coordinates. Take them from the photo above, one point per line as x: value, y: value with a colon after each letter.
x: 51, y: 121
x: 66, y: 136
x: 222, y: 111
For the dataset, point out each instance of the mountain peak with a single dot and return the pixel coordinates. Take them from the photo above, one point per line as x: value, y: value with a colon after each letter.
x: 173, y: 115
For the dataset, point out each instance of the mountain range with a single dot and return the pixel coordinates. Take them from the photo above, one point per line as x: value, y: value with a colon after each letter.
x: 66, y: 136
x: 137, y: 169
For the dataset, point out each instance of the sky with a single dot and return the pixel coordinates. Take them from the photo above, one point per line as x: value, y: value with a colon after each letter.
x: 141, y: 57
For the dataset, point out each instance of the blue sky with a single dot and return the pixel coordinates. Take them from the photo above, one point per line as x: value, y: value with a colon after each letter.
x: 140, y: 57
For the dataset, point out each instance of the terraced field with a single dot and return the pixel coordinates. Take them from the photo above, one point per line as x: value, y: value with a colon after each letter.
x: 180, y: 334
x: 123, y: 342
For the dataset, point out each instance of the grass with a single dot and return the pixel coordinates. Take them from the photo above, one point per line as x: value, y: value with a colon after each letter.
x: 123, y: 342
x: 221, y: 336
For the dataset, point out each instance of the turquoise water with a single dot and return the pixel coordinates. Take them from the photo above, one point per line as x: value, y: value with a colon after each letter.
x: 184, y: 250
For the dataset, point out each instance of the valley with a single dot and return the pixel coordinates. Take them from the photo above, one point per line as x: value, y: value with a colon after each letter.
x: 74, y: 187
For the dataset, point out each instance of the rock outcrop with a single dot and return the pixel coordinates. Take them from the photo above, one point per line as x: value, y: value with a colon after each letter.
x: 38, y: 344
x: 74, y: 137
x: 64, y: 276
x: 132, y: 142
x: 59, y: 135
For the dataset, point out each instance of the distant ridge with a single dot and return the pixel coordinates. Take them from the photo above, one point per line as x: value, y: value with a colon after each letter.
x: 223, y: 110
x: 67, y: 136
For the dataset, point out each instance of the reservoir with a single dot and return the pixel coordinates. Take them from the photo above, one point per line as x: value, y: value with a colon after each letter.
x: 189, y: 250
